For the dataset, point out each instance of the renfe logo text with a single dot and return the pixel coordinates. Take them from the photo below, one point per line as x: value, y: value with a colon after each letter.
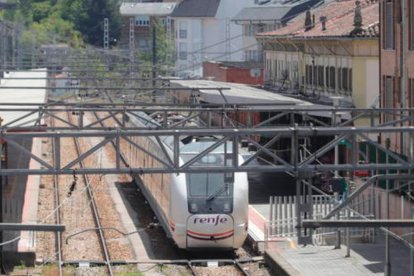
x: 210, y: 220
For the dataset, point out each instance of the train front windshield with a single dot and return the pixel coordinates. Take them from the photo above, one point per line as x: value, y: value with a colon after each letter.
x: 208, y: 185
x: 209, y: 192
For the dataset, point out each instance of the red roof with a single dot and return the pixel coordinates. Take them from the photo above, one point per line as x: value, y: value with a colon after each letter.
x: 339, y: 21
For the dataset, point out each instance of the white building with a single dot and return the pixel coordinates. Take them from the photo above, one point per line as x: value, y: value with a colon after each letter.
x: 266, y: 16
x: 204, y: 31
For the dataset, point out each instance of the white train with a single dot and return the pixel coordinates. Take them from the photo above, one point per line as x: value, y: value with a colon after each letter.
x: 197, y: 210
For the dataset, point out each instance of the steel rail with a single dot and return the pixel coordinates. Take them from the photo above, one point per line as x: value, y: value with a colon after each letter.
x: 188, y: 262
x: 95, y: 212
x: 234, y: 262
x: 58, y: 212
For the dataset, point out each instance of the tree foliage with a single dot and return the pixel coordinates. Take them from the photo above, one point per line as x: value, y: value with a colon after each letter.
x: 69, y: 21
x: 88, y: 17
x: 164, y: 49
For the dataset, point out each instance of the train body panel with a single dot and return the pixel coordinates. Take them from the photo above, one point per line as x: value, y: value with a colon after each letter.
x: 209, y: 230
x: 197, y: 210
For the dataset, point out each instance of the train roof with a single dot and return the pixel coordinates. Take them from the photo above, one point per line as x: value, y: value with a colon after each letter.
x: 201, y: 145
x: 21, y: 95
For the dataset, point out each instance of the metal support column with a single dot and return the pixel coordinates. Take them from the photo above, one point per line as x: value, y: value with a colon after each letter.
x: 4, y: 44
x: 170, y: 41
x: 228, y: 40
x: 106, y: 34
x: 131, y: 43
x: 338, y: 231
x: 154, y: 58
x: 387, y: 263
x: 1, y: 214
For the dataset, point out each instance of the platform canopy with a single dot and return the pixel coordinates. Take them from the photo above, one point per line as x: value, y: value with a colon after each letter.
x: 237, y: 93
x: 22, y: 96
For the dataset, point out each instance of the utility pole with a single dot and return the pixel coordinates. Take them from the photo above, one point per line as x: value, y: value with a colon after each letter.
x: 106, y: 34
x: 170, y: 41
x: 228, y: 40
x: 154, y: 57
x: 1, y: 203
x: 4, y: 27
x: 131, y: 43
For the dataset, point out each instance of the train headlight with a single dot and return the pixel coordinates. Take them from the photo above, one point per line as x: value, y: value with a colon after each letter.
x: 193, y: 207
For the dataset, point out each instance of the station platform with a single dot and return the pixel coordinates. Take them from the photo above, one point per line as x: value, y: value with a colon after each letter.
x: 286, y: 257
x: 20, y: 193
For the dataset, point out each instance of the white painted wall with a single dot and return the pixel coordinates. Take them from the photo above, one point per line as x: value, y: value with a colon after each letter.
x: 205, y: 32
x: 372, y: 84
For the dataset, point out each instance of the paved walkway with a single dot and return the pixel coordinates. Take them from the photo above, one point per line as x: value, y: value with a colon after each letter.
x: 365, y: 259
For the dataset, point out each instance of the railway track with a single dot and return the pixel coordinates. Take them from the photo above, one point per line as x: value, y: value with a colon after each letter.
x: 228, y: 265
x: 68, y: 196
x: 58, y: 242
x: 80, y: 235
x: 94, y: 208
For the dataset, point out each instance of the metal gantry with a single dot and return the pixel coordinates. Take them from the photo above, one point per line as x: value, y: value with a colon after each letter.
x: 228, y: 130
x: 293, y: 128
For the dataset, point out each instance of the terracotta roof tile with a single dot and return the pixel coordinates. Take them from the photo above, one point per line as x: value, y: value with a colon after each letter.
x: 339, y: 22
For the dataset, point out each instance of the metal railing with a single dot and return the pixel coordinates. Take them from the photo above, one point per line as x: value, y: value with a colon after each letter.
x: 282, y: 220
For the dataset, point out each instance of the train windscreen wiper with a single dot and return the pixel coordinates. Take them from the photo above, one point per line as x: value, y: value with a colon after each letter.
x: 218, y: 192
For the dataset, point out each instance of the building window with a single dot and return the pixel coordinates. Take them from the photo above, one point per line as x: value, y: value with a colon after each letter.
x: 249, y: 30
x: 314, y: 75
x: 411, y: 92
x: 142, y: 21
x: 182, y: 51
x: 345, y: 79
x: 251, y: 55
x: 388, y: 28
x: 330, y: 77
x: 182, y: 31
x: 320, y: 76
x: 309, y: 77
x: 388, y: 97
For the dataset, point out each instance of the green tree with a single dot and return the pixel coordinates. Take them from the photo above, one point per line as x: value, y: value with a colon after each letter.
x: 164, y: 49
x: 88, y: 18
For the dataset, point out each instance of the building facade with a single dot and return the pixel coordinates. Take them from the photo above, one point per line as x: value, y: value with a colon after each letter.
x: 266, y: 16
x: 204, y: 31
x: 332, y: 56
x: 397, y: 64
